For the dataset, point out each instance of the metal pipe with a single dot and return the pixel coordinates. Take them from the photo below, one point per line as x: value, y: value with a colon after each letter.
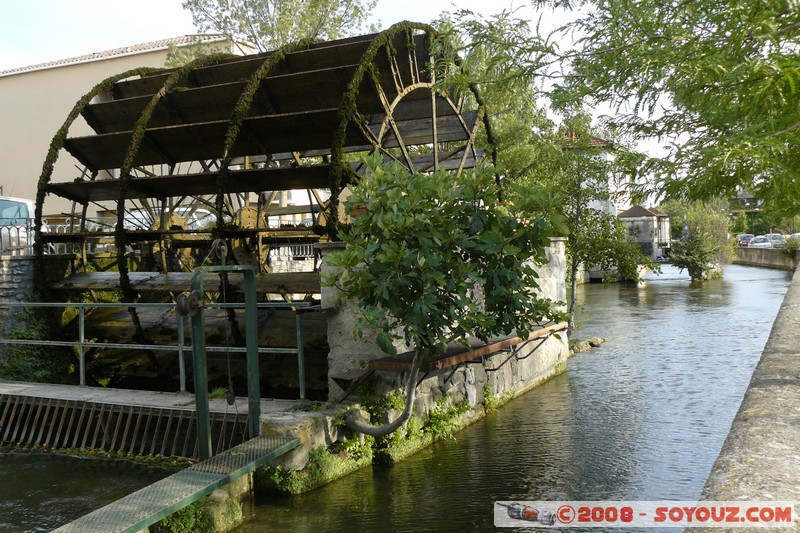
x: 201, y: 385
x: 123, y: 346
x: 181, y: 362
x: 209, y: 305
x: 301, y: 365
x: 81, y: 355
x: 199, y: 354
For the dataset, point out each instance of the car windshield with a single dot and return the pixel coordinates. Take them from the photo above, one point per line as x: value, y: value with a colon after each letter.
x: 13, y: 213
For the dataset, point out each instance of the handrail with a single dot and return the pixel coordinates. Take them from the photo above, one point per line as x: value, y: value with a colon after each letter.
x: 83, y: 344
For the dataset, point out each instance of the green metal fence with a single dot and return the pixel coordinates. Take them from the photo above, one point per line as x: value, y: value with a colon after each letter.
x: 82, y: 345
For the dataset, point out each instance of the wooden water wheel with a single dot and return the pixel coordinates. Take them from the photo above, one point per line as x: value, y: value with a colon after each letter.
x: 181, y: 157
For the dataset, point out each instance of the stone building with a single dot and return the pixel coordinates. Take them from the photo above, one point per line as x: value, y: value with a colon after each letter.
x: 37, y: 98
x: 650, y: 228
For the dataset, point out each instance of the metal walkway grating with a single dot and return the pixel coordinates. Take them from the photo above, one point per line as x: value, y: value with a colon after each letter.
x: 134, y: 429
x: 147, y: 506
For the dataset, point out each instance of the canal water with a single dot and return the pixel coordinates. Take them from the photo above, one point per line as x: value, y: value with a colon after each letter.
x: 642, y: 417
x: 41, y: 491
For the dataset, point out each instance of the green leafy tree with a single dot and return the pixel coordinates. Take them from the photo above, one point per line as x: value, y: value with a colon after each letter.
x: 582, y: 184
x: 269, y: 24
x: 717, y: 77
x: 741, y: 223
x: 702, y: 229
x: 552, y: 170
x: 436, y: 259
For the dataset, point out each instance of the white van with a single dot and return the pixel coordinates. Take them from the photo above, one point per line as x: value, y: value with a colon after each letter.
x: 16, y: 226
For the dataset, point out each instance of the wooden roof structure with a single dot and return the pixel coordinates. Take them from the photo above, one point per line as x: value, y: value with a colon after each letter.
x: 220, y: 129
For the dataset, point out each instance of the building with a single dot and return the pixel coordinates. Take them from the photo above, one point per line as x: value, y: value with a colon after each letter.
x: 650, y: 228
x: 617, y: 195
x: 37, y: 99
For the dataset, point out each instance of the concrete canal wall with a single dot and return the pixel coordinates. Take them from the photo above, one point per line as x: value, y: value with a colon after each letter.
x: 503, y: 374
x: 760, y: 459
x: 451, y: 397
x: 766, y: 257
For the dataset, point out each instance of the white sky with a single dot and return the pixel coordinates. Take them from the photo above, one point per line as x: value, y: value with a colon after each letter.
x: 40, y: 31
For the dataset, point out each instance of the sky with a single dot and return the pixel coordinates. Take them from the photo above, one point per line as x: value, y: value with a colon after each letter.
x: 40, y: 31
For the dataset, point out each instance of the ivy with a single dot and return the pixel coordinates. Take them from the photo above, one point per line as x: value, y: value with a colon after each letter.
x: 341, y: 171
x: 240, y: 112
x: 55, y: 149
x: 137, y: 134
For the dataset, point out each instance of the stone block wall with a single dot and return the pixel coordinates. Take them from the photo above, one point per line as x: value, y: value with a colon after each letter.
x: 506, y: 373
x: 759, y: 459
x: 17, y: 284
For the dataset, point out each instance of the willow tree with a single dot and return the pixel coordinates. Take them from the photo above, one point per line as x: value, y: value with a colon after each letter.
x: 552, y: 164
x: 434, y: 259
x: 270, y: 24
x: 717, y: 78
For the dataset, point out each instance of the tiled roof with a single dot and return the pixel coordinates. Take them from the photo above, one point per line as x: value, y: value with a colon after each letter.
x: 572, y: 138
x: 183, y: 40
x: 639, y: 211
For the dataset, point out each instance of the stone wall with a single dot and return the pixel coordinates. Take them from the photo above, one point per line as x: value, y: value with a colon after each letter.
x: 759, y: 459
x: 765, y: 257
x: 16, y: 284
x: 503, y: 374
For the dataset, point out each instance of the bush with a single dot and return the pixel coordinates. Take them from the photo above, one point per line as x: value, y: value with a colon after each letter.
x: 27, y: 362
x: 791, y: 246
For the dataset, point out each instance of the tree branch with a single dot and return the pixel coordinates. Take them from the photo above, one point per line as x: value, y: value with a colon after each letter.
x: 356, y: 422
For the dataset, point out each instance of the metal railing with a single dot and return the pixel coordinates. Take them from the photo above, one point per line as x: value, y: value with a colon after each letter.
x: 16, y: 236
x: 82, y: 344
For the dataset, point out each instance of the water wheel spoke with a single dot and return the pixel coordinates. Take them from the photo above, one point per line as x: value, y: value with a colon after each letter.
x: 389, y: 119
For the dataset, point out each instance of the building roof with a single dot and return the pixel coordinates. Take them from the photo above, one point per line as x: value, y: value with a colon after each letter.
x: 162, y: 44
x: 572, y: 139
x: 639, y: 211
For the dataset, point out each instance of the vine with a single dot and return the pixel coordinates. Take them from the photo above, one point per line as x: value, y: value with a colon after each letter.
x: 52, y: 156
x: 239, y: 114
x: 137, y: 134
x: 341, y: 172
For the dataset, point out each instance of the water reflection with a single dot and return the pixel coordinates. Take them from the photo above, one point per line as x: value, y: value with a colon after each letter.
x: 641, y: 418
x: 42, y: 491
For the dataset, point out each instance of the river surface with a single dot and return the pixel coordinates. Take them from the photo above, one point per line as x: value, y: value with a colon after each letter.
x: 642, y: 417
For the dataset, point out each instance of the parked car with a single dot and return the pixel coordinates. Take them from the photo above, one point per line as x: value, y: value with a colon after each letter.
x: 760, y: 242
x: 16, y: 225
x: 195, y: 219
x: 743, y: 239
x: 777, y: 240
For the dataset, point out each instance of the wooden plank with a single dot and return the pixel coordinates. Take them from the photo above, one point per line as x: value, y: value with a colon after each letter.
x: 275, y: 283
x: 194, y: 142
x: 190, y: 237
x: 288, y: 93
x: 203, y: 183
x: 182, y: 106
x: 319, y: 56
x: 457, y: 354
x: 273, y: 133
x: 420, y: 131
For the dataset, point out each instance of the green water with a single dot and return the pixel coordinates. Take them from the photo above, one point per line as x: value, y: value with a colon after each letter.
x: 641, y: 418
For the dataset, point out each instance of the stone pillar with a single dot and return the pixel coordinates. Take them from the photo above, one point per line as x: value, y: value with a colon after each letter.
x: 348, y: 355
x: 552, y: 274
